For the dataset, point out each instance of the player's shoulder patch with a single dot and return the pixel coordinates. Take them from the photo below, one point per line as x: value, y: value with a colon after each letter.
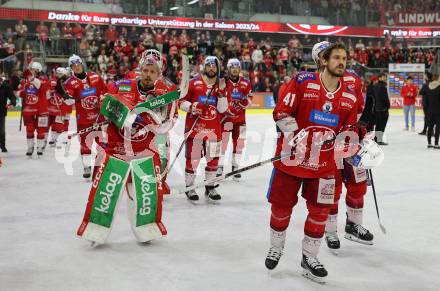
x: 349, y: 96
x: 122, y: 82
x: 305, y: 76
x: 352, y: 72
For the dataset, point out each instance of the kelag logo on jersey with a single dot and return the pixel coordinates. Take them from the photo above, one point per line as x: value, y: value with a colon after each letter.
x: 88, y: 92
x: 324, y: 118
x: 211, y: 101
x: 237, y: 95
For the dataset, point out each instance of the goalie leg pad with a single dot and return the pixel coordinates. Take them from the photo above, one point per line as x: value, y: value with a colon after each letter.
x: 145, y: 210
x: 104, y: 196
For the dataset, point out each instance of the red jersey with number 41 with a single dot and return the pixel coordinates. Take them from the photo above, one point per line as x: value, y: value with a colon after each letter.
x: 322, y: 114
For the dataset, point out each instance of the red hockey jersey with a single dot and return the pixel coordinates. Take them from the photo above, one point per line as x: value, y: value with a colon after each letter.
x: 322, y: 114
x: 35, y: 94
x: 87, y: 93
x: 138, y: 141
x: 209, y: 121
x: 238, y: 93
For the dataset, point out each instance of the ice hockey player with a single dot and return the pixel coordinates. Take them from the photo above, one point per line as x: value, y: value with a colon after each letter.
x: 62, y: 75
x: 56, y: 107
x: 131, y: 160
x: 354, y: 178
x: 163, y: 85
x: 239, y: 92
x: 205, y: 102
x: 34, y: 92
x: 323, y: 106
x: 86, y: 88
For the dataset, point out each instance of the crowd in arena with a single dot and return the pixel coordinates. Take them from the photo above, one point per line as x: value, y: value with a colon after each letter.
x: 266, y: 59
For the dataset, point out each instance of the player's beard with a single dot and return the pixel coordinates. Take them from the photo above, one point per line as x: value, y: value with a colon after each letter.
x: 211, y: 74
x: 335, y: 73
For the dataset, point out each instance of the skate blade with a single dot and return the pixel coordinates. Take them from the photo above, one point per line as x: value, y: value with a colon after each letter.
x: 94, y: 244
x: 307, y: 274
x: 355, y: 239
x: 215, y: 202
x: 193, y: 202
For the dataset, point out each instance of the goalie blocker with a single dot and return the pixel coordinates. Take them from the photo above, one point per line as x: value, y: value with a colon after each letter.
x: 141, y: 179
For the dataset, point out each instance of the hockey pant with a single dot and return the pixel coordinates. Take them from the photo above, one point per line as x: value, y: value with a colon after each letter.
x: 355, y: 181
x: 238, y: 131
x: 195, y: 150
x: 141, y: 178
x: 319, y: 194
x: 38, y: 123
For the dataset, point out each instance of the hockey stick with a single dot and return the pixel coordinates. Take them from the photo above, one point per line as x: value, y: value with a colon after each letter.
x: 370, y: 174
x: 21, y: 116
x: 294, y: 142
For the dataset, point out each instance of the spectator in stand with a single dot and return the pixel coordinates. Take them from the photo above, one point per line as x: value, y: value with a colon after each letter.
x: 54, y: 35
x: 20, y: 31
x: 381, y: 108
x: 67, y: 35
x: 159, y: 37
x: 111, y: 34
x: 409, y: 93
x: 42, y: 33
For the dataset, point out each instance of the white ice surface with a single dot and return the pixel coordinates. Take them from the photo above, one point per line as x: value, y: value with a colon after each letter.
x: 216, y: 247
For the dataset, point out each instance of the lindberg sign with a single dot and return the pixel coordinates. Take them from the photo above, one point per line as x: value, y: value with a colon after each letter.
x: 428, y: 18
x: 209, y: 24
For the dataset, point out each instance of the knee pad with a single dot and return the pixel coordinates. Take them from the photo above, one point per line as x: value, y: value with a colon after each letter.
x: 315, y: 223
x: 280, y: 217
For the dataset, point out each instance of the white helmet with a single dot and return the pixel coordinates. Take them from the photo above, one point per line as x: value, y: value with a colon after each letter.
x: 317, y: 49
x: 60, y: 71
x: 233, y: 63
x: 209, y: 60
x: 74, y: 60
x: 151, y: 56
x: 36, y: 66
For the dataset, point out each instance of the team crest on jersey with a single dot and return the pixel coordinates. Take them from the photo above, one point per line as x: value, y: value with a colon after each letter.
x: 350, y: 87
x: 89, y: 102
x: 327, y: 107
x: 138, y: 132
x: 31, y: 99
x: 304, y: 77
